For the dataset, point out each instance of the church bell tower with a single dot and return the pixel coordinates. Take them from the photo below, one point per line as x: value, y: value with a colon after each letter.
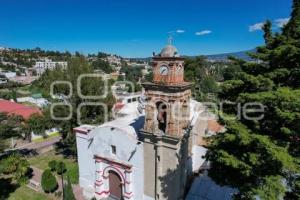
x: 166, y: 129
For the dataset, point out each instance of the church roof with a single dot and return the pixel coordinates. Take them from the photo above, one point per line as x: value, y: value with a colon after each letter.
x: 169, y: 51
x: 130, y: 123
x: 204, y: 188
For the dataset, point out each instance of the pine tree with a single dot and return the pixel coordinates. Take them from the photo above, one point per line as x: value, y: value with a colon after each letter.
x: 68, y: 191
x: 292, y: 29
x: 256, y: 156
x: 267, y: 28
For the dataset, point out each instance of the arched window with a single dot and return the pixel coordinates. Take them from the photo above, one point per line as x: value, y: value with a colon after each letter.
x: 161, y: 116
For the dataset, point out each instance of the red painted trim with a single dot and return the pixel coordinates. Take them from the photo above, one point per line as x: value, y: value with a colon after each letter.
x: 103, y: 192
x: 80, y: 131
x: 109, y: 161
x: 128, y: 170
x: 128, y: 193
x: 128, y: 196
x: 117, y: 171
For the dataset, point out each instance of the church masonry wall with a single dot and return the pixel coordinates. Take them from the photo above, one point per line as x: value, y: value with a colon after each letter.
x: 163, y: 159
x: 91, y: 169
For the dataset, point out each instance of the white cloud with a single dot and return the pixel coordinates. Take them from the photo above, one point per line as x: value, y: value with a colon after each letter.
x: 204, y: 32
x: 180, y: 31
x: 256, y: 27
x: 281, y: 22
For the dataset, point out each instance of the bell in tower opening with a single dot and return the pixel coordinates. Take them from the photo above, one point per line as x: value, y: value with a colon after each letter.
x: 165, y: 132
x: 162, y: 116
x: 168, y: 95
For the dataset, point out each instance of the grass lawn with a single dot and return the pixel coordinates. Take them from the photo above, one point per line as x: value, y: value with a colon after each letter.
x: 43, y: 139
x: 41, y: 162
x: 25, y: 193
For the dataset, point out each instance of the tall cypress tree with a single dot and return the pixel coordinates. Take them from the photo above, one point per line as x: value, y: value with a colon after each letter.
x: 68, y: 191
x: 257, y: 156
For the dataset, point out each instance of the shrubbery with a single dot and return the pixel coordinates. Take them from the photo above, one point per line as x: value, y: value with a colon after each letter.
x: 52, y: 165
x: 49, y: 183
x: 61, y: 168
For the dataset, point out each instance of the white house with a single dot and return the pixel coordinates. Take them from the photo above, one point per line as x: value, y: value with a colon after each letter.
x: 41, y: 66
x: 9, y: 75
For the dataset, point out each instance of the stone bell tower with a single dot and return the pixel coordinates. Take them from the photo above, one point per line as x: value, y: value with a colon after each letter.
x: 166, y: 129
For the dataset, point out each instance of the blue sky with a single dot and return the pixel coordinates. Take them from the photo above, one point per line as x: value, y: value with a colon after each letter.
x: 136, y: 28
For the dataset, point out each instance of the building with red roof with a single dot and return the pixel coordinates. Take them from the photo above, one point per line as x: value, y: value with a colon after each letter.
x: 12, y: 108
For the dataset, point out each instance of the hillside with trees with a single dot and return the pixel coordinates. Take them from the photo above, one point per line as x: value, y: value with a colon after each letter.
x: 89, y: 86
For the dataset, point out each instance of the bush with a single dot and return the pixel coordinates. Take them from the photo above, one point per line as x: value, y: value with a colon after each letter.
x: 61, y: 167
x: 52, y: 165
x: 49, y: 183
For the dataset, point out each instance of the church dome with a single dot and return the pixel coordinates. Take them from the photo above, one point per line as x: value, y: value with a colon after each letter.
x: 169, y: 51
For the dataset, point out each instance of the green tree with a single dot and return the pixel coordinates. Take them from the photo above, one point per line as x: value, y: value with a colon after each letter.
x: 49, y: 183
x: 10, y: 126
x: 89, y: 86
x: 37, y: 124
x: 257, y: 156
x: 102, y: 65
x: 294, y: 194
x: 60, y: 167
x: 52, y: 165
x: 204, y: 75
x: 15, y: 165
x: 68, y: 191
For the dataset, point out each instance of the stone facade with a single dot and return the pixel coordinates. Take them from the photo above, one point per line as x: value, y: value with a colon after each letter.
x: 166, y: 128
x: 177, y: 111
x: 176, y: 70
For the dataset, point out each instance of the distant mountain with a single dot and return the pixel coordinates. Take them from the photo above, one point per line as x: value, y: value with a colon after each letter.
x: 215, y: 57
x: 223, y: 57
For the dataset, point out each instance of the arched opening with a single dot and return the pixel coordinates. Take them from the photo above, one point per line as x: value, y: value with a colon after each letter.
x: 161, y: 116
x: 115, y: 185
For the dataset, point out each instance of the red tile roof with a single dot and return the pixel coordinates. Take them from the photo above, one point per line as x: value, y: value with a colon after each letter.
x: 213, y: 125
x: 118, y: 106
x: 17, y: 109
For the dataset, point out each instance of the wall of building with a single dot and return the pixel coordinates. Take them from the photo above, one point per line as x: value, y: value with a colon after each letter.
x: 98, y: 142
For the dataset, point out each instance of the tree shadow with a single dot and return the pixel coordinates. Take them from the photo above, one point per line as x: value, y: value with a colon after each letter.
x: 29, y: 173
x: 63, y: 149
x: 176, y: 182
x: 173, y: 185
x: 169, y: 184
x: 7, y: 187
x: 28, y: 152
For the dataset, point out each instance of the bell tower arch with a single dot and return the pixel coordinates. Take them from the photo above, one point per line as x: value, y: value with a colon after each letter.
x: 165, y: 132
